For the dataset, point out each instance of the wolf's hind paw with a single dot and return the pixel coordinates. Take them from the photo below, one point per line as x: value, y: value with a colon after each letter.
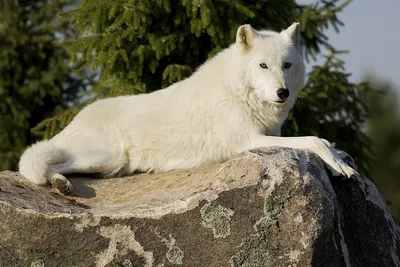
x: 60, y: 183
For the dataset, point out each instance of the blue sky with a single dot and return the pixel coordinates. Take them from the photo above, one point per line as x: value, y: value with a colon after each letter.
x: 372, y: 35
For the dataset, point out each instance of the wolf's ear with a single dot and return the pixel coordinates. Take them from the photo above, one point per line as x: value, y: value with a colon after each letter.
x: 245, y: 37
x: 294, y: 33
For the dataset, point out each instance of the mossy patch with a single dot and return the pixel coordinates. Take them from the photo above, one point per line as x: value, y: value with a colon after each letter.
x: 273, y: 208
x: 217, y: 218
x: 125, y: 263
x: 38, y: 263
x: 175, y: 255
x: 255, y: 250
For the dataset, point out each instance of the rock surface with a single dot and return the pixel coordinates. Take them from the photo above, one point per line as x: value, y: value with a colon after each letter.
x: 269, y: 207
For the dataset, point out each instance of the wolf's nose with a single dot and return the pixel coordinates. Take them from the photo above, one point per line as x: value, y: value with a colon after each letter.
x: 283, y: 93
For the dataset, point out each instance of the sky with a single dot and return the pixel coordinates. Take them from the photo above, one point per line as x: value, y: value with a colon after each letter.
x: 372, y: 35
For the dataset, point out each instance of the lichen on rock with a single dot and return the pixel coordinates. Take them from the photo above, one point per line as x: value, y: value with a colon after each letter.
x: 252, y: 252
x: 217, y: 218
x: 273, y: 208
x: 175, y: 255
x: 38, y: 263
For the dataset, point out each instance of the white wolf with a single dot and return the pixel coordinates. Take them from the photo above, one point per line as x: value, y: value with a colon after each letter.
x: 236, y: 101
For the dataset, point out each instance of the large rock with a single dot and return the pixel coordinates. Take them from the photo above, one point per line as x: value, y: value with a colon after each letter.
x: 269, y: 207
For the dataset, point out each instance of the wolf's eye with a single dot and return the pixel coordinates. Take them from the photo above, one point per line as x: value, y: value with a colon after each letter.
x: 263, y: 65
x: 287, y: 65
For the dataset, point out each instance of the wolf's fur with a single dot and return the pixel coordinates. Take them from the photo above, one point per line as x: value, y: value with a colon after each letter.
x: 227, y: 106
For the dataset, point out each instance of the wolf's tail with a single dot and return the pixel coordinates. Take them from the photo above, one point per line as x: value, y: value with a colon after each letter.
x: 35, y: 163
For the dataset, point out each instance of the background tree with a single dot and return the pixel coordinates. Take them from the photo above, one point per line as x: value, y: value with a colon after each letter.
x: 383, y: 127
x: 36, y: 80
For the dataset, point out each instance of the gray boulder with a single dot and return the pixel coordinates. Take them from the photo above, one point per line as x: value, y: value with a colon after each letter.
x: 268, y: 207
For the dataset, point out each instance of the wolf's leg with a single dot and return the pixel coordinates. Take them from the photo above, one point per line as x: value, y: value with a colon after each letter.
x: 99, y: 161
x: 321, y: 147
x: 342, y: 154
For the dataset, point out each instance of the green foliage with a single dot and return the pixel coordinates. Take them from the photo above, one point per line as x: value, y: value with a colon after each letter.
x: 383, y: 127
x: 141, y: 46
x: 35, y: 78
x: 315, y: 19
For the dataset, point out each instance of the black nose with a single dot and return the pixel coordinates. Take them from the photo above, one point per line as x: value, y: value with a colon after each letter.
x: 283, y: 93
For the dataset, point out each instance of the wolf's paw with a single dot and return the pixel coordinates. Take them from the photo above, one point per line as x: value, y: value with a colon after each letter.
x: 339, y: 167
x: 347, y: 171
x: 60, y: 183
x: 346, y: 158
x: 337, y: 161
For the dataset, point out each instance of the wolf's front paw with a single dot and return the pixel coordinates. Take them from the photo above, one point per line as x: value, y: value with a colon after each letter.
x: 346, y: 158
x: 347, y: 171
x: 335, y: 159
x: 340, y: 168
x: 60, y: 183
x: 346, y: 163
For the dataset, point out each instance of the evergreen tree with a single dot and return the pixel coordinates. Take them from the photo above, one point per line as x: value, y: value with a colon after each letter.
x: 383, y: 127
x: 141, y: 46
x: 36, y: 81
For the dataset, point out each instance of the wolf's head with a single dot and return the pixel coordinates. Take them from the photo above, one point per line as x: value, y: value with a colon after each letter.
x: 272, y: 63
